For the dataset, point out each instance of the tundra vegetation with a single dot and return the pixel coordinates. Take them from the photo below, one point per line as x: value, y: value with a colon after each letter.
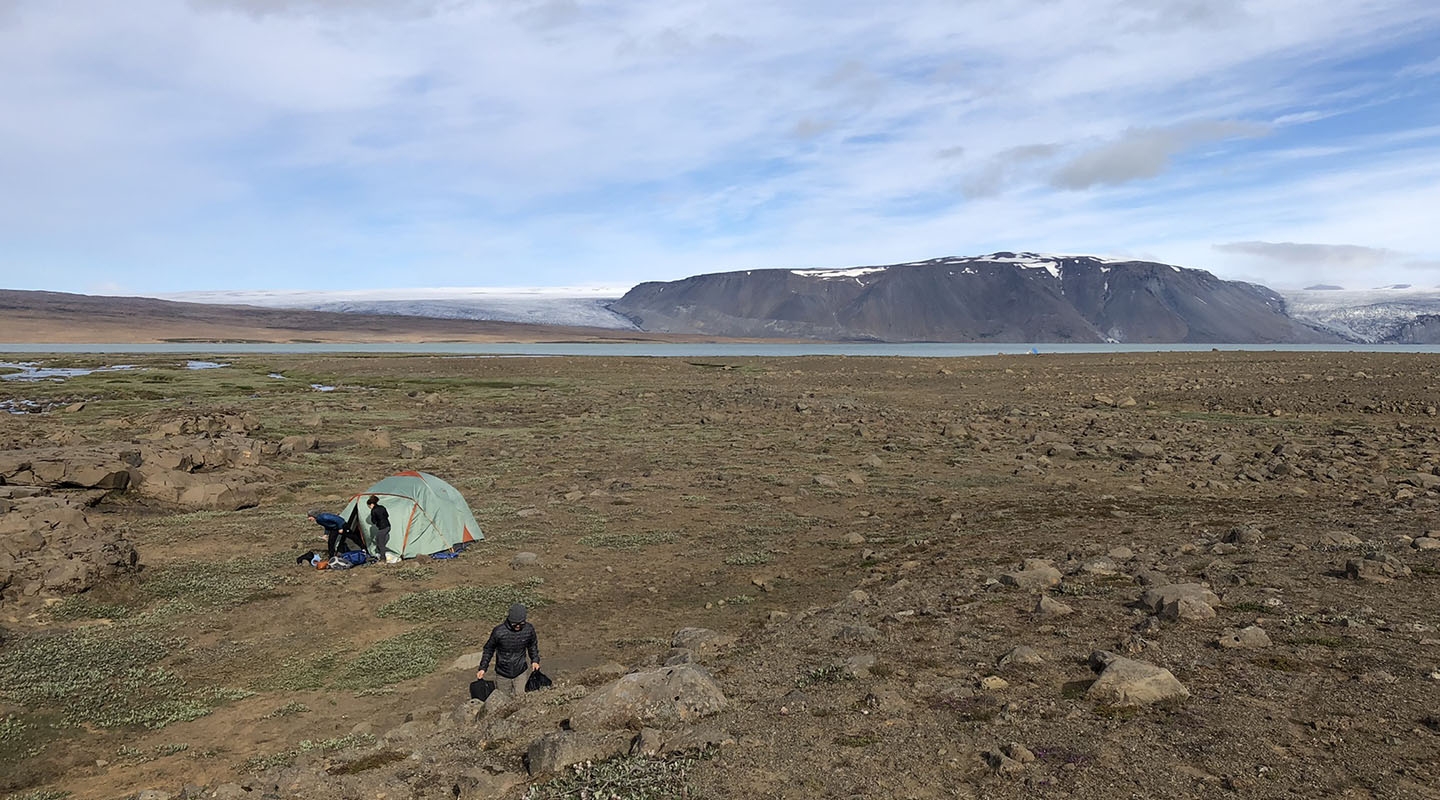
x: 999, y: 576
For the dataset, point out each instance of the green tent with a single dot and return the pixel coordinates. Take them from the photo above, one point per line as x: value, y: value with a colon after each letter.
x: 427, y: 515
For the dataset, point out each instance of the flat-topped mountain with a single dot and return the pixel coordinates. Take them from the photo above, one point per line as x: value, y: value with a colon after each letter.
x: 1001, y: 297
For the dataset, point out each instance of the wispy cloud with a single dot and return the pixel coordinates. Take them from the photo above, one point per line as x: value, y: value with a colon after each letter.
x: 187, y: 143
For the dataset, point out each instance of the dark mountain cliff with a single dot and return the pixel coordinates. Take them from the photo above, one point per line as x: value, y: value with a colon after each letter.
x: 1002, y: 297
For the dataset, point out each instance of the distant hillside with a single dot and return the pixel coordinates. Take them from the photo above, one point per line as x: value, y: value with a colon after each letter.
x: 1002, y: 297
x: 53, y: 317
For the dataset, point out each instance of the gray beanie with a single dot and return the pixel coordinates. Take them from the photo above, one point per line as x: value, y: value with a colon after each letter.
x: 517, y: 614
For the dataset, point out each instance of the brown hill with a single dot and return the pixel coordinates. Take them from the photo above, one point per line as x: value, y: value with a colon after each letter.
x: 60, y: 318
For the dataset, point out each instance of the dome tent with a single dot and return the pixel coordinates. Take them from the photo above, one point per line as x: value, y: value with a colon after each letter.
x: 427, y: 515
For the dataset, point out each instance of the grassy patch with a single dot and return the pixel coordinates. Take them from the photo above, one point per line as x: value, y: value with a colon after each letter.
x: 287, y: 757
x: 752, y: 558
x: 105, y: 676
x: 462, y: 602
x: 393, y: 660
x: 831, y: 673
x: 223, y: 584
x: 622, y: 778
x: 86, y: 606
x: 854, y: 740
x: 299, y: 673
x: 626, y: 541
x: 289, y: 709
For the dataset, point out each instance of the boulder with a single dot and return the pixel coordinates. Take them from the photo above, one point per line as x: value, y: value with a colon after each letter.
x: 660, y: 698
x: 1246, y: 638
x: 1186, y: 609
x: 1046, y: 608
x: 1034, y: 574
x: 555, y: 751
x: 1376, y: 568
x: 1125, y: 682
x: 1021, y: 654
x: 1157, y: 597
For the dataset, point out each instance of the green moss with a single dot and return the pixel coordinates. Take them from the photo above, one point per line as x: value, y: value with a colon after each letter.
x: 408, y: 655
x: 463, y: 602
x: 627, y: 541
x: 621, y: 778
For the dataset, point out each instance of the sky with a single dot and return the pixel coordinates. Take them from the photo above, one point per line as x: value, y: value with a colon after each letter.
x: 156, y: 146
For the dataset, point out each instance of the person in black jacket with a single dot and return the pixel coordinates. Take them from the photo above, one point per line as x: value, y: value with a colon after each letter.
x: 380, y: 522
x: 516, y: 649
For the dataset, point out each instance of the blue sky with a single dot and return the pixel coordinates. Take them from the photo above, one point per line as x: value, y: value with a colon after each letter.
x: 176, y: 145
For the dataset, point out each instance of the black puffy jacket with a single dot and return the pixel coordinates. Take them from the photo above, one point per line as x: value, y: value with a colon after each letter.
x: 514, y: 651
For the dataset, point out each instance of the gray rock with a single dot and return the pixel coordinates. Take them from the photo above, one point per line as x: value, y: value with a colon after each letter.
x: 1426, y: 543
x: 1253, y: 637
x: 1019, y: 752
x: 1125, y: 682
x: 229, y: 791
x: 1376, y: 568
x: 1244, y: 534
x: 1045, y: 608
x: 859, y: 666
x: 152, y: 794
x: 659, y: 697
x: 649, y: 742
x: 1022, y: 655
x: 1157, y: 597
x: 1100, y: 565
x: 555, y: 751
x: 1186, y: 609
x: 1035, y: 574
x: 522, y: 560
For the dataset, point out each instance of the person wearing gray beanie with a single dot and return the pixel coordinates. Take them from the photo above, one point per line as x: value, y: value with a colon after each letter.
x: 516, y: 649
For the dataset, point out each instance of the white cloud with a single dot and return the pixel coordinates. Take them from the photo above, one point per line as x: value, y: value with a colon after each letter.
x: 1143, y: 153
x: 462, y: 139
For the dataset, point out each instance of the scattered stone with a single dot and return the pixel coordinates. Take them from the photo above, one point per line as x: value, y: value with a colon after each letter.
x: 1253, y: 637
x: 1023, y: 655
x: 1100, y: 565
x: 1186, y: 609
x: 859, y: 666
x: 994, y: 683
x: 1376, y: 568
x: 1426, y: 543
x: 524, y: 559
x: 1157, y: 597
x: 1125, y: 682
x: 1019, y: 752
x: 412, y: 449
x: 1035, y: 574
x: 1045, y: 607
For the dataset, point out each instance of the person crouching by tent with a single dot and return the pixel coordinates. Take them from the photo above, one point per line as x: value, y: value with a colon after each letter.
x: 336, y: 533
x: 380, y: 524
x: 516, y: 649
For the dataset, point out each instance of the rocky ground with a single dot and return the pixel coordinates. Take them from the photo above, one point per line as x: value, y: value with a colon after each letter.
x: 1166, y: 575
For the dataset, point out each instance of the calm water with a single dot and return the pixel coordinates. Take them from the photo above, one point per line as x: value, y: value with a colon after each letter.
x: 714, y: 350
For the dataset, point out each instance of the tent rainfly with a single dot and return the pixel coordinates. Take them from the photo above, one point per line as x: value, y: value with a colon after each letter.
x: 427, y: 515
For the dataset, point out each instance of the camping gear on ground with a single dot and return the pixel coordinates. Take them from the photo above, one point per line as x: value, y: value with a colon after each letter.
x: 537, y: 681
x: 355, y: 558
x: 481, y: 689
x: 427, y: 516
